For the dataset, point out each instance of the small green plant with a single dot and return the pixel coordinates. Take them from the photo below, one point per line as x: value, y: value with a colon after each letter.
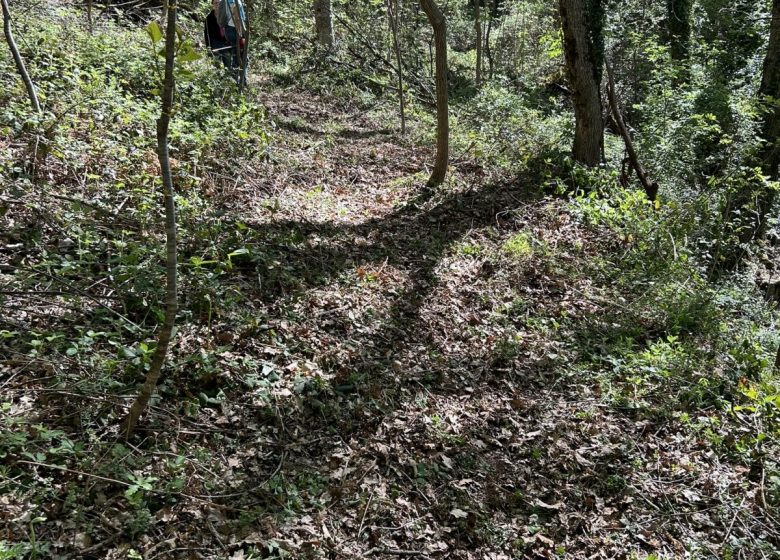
x: 139, y: 486
x: 471, y: 249
x: 519, y: 246
x: 13, y: 551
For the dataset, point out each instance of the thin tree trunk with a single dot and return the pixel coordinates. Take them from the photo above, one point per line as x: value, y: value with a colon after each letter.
x: 650, y: 187
x: 488, y: 52
x: 583, y: 75
x: 439, y: 24
x: 270, y: 19
x: 393, y: 9
x: 89, y: 16
x: 323, y: 21
x: 20, y: 67
x: 777, y: 361
x: 164, y: 337
x: 478, y: 31
x: 746, y: 216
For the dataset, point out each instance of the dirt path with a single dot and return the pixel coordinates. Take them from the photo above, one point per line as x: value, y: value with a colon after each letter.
x: 424, y: 403
x: 391, y: 371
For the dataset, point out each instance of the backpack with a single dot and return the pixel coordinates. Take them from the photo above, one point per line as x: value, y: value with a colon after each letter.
x: 228, y: 10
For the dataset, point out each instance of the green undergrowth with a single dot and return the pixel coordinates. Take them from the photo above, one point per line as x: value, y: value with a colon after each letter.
x: 86, y: 177
x: 602, y: 289
x: 666, y: 342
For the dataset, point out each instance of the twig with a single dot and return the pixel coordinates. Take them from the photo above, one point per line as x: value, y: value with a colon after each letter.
x: 395, y: 552
x: 763, y: 499
x: 101, y: 544
x: 47, y: 293
x: 733, y: 519
x: 65, y: 469
x: 127, y: 484
x: 254, y: 488
x: 136, y: 328
x: 365, y: 511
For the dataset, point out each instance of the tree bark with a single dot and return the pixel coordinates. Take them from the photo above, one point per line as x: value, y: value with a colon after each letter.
x: 323, y: 22
x: 584, y: 74
x: 439, y: 25
x: 650, y: 187
x: 678, y: 24
x: 777, y: 361
x: 20, y: 67
x: 770, y: 130
x: 270, y: 19
x: 488, y: 52
x: 478, y: 32
x: 171, y: 303
x: 393, y: 15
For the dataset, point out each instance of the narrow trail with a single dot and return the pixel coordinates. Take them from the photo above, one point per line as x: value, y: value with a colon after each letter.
x: 394, y: 371
x: 426, y: 407
x: 331, y: 163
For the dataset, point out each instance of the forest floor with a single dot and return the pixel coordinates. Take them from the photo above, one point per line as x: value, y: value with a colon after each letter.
x: 403, y: 380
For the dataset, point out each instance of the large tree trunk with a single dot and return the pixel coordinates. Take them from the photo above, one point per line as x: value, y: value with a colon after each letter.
x: 323, y: 22
x: 164, y: 337
x: 770, y: 89
x: 20, y: 67
x: 678, y: 24
x: 584, y: 74
x: 437, y: 21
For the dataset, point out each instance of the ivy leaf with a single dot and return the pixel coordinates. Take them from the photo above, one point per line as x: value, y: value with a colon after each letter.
x: 154, y: 32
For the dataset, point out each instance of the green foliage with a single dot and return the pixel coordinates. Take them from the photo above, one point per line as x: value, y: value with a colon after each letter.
x: 519, y: 246
x: 506, y: 132
x: 610, y: 294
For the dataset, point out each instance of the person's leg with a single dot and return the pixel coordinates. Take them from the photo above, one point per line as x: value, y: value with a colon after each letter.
x: 232, y: 38
x: 221, y: 52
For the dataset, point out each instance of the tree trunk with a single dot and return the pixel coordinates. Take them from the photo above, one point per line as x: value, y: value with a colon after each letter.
x: 777, y: 361
x: 678, y: 24
x: 437, y: 21
x: 488, y: 52
x: 584, y: 73
x: 323, y: 22
x: 270, y: 19
x: 770, y: 130
x: 393, y: 15
x: 478, y: 30
x: 89, y: 16
x: 20, y: 67
x: 650, y: 187
x: 164, y: 337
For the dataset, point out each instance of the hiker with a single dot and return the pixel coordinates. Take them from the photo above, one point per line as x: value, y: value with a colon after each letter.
x: 232, y: 18
x: 215, y: 36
